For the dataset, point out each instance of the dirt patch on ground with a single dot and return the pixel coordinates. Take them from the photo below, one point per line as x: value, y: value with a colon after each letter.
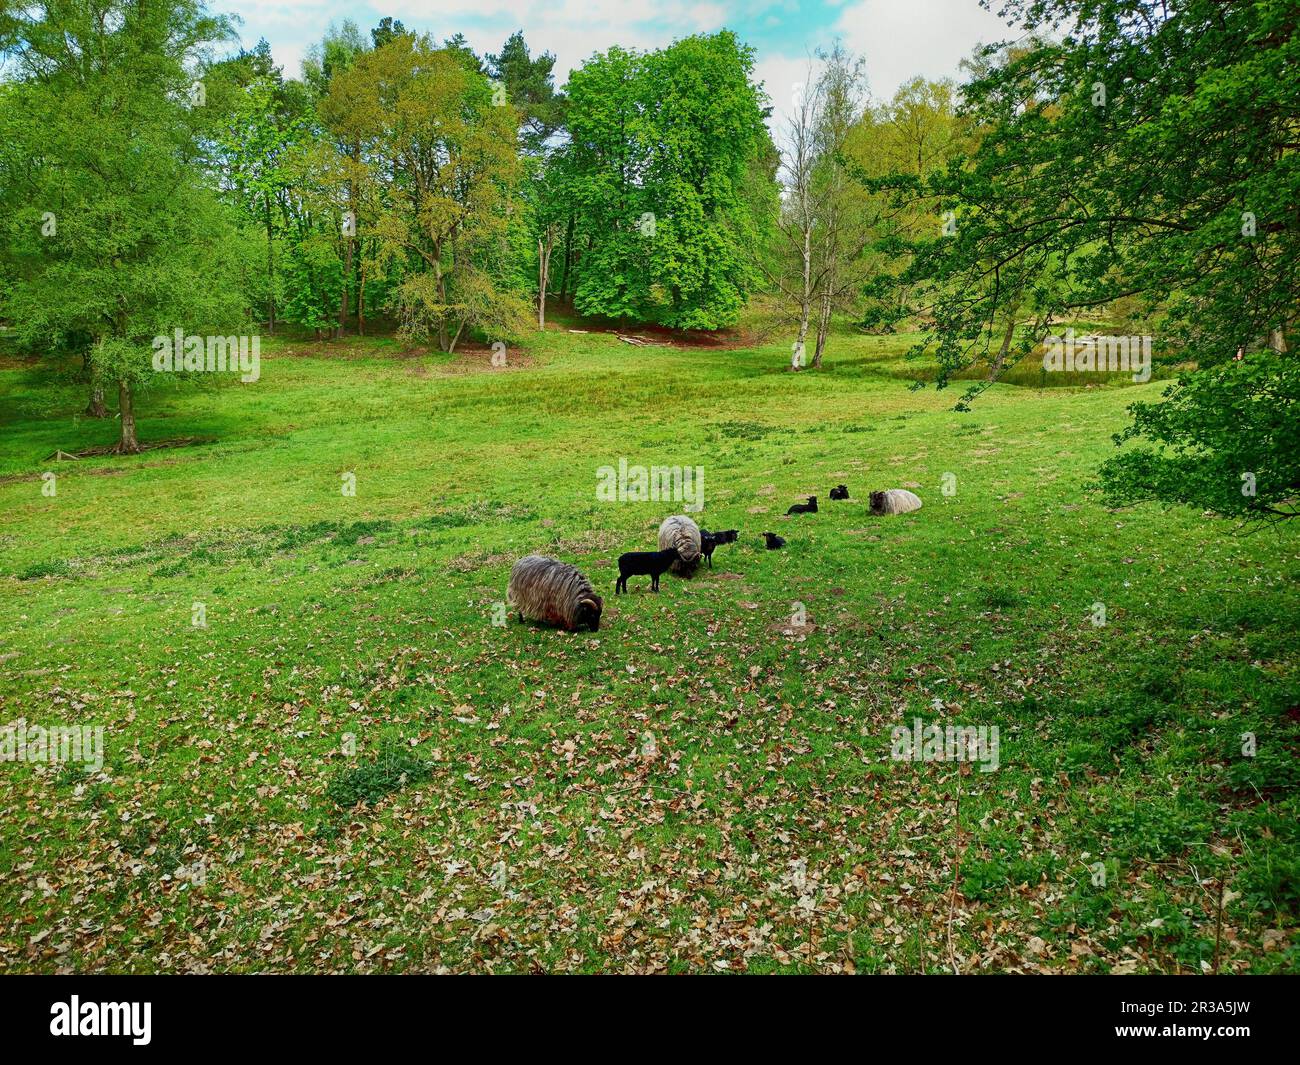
x: 790, y: 628
x: 662, y: 336
x: 477, y: 358
x: 469, y: 563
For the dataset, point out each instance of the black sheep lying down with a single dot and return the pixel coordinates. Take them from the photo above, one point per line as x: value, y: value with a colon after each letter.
x: 804, y: 508
x: 773, y: 541
x: 840, y: 491
x: 710, y: 540
x: 650, y: 564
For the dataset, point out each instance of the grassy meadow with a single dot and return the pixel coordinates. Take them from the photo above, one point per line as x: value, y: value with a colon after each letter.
x: 349, y: 767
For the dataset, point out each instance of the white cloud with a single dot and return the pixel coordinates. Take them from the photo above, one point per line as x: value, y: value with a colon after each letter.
x: 903, y: 38
x: 779, y: 75
x: 899, y: 38
x: 569, y: 29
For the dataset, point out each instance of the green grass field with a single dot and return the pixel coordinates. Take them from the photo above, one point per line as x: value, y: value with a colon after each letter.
x: 699, y: 786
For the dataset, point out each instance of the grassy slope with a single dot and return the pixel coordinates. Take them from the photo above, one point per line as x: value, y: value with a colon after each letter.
x: 371, y: 615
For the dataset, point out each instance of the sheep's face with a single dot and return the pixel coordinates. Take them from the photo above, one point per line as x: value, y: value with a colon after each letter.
x: 812, y: 501
x: 589, y: 613
x: 877, y: 502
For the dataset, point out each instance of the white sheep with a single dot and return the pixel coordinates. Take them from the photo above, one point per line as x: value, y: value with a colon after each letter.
x: 894, y: 501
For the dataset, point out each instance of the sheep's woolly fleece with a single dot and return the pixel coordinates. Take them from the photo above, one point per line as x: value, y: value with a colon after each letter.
x: 681, y: 532
x: 548, y: 590
x: 894, y: 501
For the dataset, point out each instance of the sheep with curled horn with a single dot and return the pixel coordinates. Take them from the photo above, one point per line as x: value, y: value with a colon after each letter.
x: 554, y: 593
x: 681, y: 532
x: 894, y: 501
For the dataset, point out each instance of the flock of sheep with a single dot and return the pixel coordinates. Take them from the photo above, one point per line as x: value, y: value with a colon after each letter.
x: 552, y: 592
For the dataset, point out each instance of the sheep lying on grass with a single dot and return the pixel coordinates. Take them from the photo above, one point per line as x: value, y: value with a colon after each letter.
x: 553, y: 592
x: 773, y: 541
x: 804, y: 508
x: 710, y: 540
x: 840, y: 491
x: 681, y: 532
x: 894, y: 501
x: 644, y: 564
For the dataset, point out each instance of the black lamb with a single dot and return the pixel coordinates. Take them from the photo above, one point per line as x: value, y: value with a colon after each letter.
x: 804, y: 508
x: 840, y: 491
x: 710, y: 540
x: 774, y: 542
x: 650, y: 564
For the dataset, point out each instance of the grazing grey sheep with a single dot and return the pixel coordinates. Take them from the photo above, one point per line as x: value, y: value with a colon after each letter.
x: 894, y: 501
x: 680, y: 532
x: 548, y: 590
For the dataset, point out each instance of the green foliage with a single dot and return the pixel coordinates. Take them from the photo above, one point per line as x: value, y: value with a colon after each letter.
x: 1139, y: 148
x: 393, y: 768
x: 116, y: 238
x: 441, y: 161
x: 530, y: 86
x: 1227, y: 440
x: 313, y: 276
x: 660, y: 164
x: 261, y: 124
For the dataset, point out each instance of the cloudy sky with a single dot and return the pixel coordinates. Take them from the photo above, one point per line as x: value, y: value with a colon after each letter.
x: 899, y: 38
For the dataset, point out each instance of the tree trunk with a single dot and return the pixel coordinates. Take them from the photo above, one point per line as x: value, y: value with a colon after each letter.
x: 361, y: 303
x: 270, y: 267
x: 544, y: 248
x: 823, y: 324
x: 96, y: 408
x: 568, y: 255
x: 996, y: 368
x: 128, y: 444
x: 805, y: 300
x: 1277, y: 340
x: 347, y: 277
x: 441, y: 283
